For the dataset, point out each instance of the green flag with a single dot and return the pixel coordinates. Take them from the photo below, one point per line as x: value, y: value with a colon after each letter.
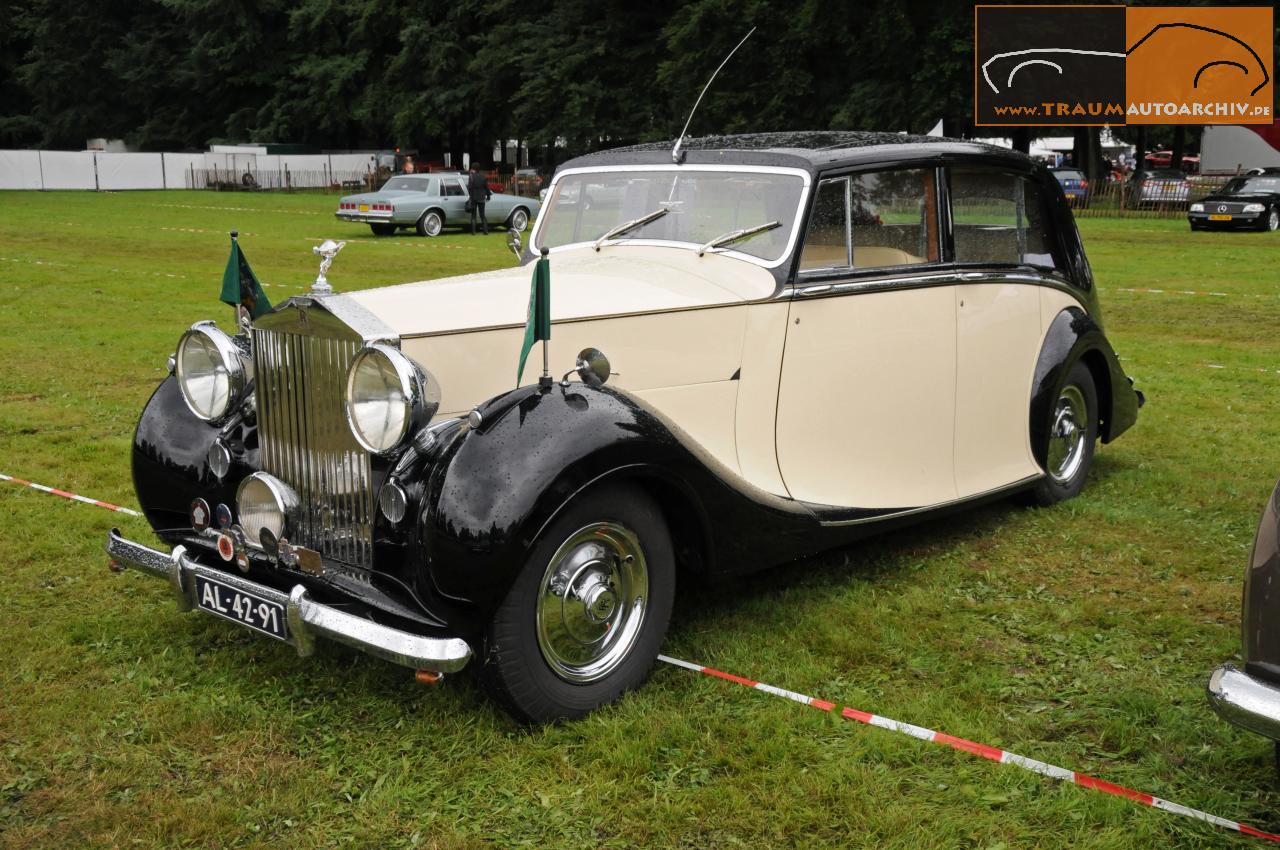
x: 240, y: 285
x: 538, y: 325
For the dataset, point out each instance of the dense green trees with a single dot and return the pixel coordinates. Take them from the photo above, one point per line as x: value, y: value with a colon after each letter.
x: 167, y: 74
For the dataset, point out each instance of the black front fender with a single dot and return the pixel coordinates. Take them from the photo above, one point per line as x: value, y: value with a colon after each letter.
x: 170, y: 465
x: 496, y: 487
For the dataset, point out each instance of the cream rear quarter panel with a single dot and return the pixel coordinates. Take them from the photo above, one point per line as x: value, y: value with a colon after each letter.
x: 998, y: 338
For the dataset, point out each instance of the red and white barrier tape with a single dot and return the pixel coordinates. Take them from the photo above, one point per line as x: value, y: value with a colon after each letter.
x: 64, y: 494
x: 981, y: 750
x: 971, y: 747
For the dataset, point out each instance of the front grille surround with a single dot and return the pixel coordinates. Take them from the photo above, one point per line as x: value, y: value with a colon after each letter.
x: 301, y: 355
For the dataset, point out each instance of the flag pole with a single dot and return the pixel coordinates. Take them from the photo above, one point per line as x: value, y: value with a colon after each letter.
x: 545, y: 381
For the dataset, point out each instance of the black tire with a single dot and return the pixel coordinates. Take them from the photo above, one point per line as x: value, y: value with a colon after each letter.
x: 1272, y: 220
x: 383, y: 229
x: 431, y: 223
x: 526, y: 678
x: 1065, y: 479
x: 519, y: 216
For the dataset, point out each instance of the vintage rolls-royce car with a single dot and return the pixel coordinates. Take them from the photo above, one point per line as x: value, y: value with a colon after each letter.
x: 1245, y: 203
x: 428, y: 203
x: 799, y: 340
x: 1250, y: 698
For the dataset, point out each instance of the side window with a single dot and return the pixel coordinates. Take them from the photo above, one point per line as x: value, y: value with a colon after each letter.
x: 1000, y: 218
x: 452, y: 188
x: 895, y: 218
x: 873, y: 220
x: 826, y: 242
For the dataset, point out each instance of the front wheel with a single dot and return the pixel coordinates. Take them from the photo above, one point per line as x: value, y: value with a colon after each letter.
x: 430, y: 224
x: 1073, y: 432
x: 584, y: 620
x: 1273, y: 220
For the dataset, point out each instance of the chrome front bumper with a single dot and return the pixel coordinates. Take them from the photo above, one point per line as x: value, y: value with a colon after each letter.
x: 1245, y: 701
x: 306, y: 618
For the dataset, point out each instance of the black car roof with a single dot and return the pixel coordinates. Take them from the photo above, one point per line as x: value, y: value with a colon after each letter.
x: 813, y: 150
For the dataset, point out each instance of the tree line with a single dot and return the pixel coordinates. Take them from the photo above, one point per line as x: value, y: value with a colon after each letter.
x: 456, y: 76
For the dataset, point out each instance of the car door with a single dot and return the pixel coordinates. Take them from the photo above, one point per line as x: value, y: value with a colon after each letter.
x: 454, y: 200
x: 499, y: 207
x: 866, y: 400
x: 1005, y: 249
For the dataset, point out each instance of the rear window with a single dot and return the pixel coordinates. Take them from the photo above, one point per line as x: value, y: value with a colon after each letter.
x: 1001, y: 218
x: 1069, y: 175
x: 405, y: 184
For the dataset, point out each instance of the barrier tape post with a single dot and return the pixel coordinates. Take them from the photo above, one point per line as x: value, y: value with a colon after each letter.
x: 64, y: 494
x: 981, y: 751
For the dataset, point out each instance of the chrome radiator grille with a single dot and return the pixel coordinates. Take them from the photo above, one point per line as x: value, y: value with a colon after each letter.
x: 305, y: 442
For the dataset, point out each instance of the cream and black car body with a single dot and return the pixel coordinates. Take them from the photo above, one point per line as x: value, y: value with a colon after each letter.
x: 810, y: 338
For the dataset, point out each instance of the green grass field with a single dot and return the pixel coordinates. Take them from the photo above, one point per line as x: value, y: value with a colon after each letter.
x: 1081, y: 635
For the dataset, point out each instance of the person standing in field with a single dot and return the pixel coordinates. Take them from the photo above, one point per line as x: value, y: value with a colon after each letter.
x: 477, y: 194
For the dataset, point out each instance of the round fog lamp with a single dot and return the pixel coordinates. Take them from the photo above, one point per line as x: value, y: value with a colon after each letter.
x: 388, y: 397
x: 393, y: 501
x: 264, y: 503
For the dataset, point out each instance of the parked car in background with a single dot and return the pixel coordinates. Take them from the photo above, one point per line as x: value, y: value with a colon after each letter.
x: 1245, y: 203
x: 814, y: 338
x: 1250, y: 698
x: 528, y: 182
x: 1074, y: 185
x: 1160, y: 188
x: 430, y: 202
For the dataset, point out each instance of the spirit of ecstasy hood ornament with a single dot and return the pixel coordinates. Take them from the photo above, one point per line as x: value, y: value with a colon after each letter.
x: 327, y: 251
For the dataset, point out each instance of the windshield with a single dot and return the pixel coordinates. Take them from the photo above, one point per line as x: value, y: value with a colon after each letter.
x: 1252, y: 185
x: 405, y: 184
x: 700, y: 206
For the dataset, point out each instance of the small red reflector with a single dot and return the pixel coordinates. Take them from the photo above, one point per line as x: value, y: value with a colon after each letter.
x: 226, y: 547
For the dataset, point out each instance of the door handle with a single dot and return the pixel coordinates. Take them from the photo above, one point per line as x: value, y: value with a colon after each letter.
x: 972, y: 275
x: 816, y: 290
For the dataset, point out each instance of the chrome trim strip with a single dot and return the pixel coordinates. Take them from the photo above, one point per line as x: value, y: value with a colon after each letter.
x: 1245, y: 701
x: 906, y: 512
x: 949, y: 277
x: 806, y: 179
x: 306, y: 618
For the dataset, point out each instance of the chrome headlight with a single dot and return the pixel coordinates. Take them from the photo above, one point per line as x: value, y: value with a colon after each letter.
x: 388, y: 397
x: 210, y: 370
x: 1197, y: 207
x: 1254, y: 207
x: 264, y: 503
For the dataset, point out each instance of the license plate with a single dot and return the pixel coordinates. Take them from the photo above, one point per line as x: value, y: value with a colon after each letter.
x: 239, y: 606
x: 364, y: 208
x: 1219, y: 218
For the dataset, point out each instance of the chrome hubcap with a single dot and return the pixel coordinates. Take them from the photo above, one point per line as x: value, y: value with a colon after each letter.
x: 1067, y: 435
x: 520, y: 221
x: 432, y: 225
x: 592, y: 601
x: 1274, y: 221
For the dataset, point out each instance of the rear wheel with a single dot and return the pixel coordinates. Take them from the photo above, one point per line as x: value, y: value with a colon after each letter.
x: 519, y: 219
x: 1073, y: 432
x: 383, y: 229
x: 584, y: 620
x: 430, y: 224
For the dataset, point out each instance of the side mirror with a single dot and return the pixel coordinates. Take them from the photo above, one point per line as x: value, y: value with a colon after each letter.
x: 513, y: 242
x: 593, y: 367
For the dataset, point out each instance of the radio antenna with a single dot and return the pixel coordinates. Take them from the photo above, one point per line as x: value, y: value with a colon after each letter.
x: 676, y: 153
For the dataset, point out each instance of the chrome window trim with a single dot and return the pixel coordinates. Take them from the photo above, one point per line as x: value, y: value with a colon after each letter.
x: 882, y: 282
x: 535, y: 245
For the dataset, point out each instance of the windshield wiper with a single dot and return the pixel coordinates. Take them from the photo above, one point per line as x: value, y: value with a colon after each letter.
x: 630, y: 225
x: 737, y: 236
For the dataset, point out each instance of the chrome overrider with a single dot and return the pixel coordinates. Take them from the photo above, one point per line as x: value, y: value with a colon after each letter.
x: 1245, y: 701
x: 305, y: 617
